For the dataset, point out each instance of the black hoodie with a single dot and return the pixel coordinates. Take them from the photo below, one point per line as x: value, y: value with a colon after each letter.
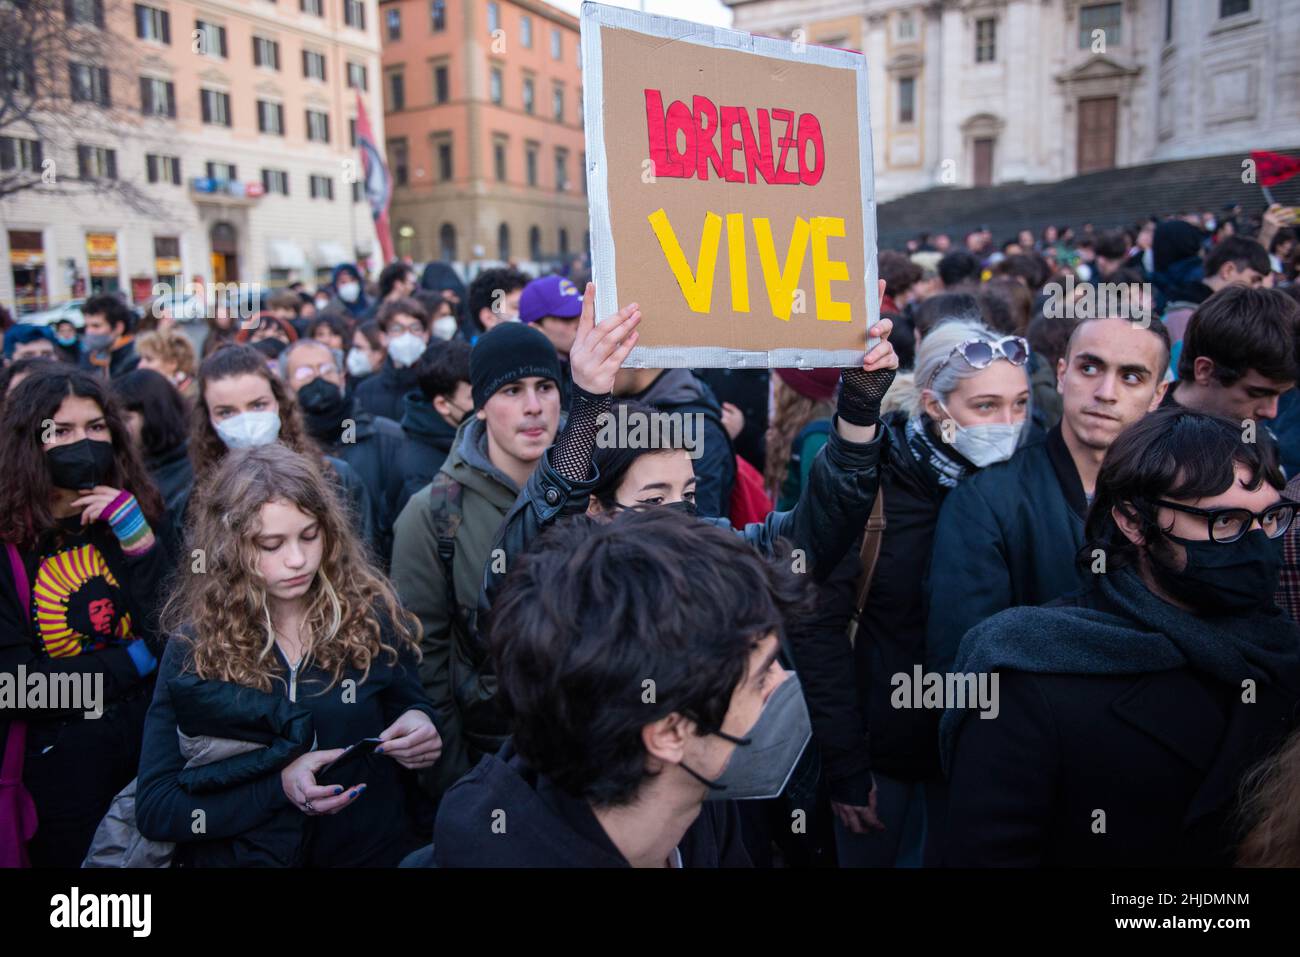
x: 504, y: 814
x: 429, y: 438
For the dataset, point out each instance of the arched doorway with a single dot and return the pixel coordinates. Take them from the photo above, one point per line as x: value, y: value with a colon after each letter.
x: 503, y: 242
x: 534, y: 243
x: 447, y: 243
x: 406, y: 241
x: 225, y: 252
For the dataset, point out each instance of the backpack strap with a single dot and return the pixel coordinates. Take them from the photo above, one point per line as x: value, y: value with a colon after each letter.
x: 868, y: 557
x: 445, y: 513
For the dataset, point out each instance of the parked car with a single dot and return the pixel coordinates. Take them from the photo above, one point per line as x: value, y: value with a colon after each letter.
x: 70, y: 310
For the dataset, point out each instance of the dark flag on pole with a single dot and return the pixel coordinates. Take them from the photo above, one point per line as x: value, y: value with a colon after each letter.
x: 378, y: 184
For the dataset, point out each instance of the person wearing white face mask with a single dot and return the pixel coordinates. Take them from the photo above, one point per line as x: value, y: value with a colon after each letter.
x: 350, y: 292
x: 405, y: 325
x: 241, y: 405
x: 970, y: 409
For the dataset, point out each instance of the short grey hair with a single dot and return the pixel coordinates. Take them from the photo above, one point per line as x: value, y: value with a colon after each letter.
x: 938, y: 370
x: 335, y: 354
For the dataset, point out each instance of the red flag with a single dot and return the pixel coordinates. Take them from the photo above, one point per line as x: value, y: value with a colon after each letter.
x: 378, y: 185
x: 1274, y: 168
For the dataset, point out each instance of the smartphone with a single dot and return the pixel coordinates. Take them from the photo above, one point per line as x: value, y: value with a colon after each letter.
x: 344, y: 769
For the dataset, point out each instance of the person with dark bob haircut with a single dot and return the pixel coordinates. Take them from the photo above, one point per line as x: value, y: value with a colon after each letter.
x: 1129, y: 712
x: 1239, y: 354
x: 156, y: 415
x: 638, y: 659
x: 86, y: 536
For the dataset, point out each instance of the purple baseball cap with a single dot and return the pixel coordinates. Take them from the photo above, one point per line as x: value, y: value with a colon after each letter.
x: 550, y: 296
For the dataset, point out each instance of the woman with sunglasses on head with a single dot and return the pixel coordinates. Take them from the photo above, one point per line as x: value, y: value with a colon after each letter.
x: 1128, y: 713
x: 970, y: 411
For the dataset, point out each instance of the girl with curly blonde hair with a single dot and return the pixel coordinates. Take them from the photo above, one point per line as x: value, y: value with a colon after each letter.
x: 278, y: 601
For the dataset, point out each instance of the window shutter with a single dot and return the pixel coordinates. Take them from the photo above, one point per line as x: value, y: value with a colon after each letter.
x: 99, y: 13
x: 37, y: 159
x: 8, y: 149
x: 275, y: 51
x: 151, y: 167
x: 221, y: 36
x: 103, y: 80
x: 171, y: 99
x: 146, y: 95
x: 304, y: 63
x: 112, y: 163
x: 205, y: 106
x: 166, y: 27
x: 279, y: 118
x: 176, y: 171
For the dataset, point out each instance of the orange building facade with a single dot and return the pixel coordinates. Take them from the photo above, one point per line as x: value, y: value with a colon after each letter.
x: 483, y: 120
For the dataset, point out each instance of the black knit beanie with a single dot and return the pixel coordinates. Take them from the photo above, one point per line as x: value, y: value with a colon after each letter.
x: 507, y: 353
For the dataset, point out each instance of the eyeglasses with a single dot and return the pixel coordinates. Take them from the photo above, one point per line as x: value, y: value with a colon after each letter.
x: 310, y: 372
x: 980, y: 353
x: 1226, y: 525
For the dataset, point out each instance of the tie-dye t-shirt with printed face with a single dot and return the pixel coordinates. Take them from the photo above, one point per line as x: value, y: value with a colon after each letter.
x: 78, y: 604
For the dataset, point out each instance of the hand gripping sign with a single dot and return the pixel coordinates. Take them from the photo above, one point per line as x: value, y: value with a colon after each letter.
x: 731, y: 193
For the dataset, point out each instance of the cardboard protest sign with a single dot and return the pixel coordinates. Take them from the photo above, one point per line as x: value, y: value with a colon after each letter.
x: 731, y: 192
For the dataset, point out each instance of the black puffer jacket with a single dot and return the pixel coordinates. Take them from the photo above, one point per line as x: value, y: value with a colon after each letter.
x: 381, y: 393
x: 428, y: 440
x: 371, y: 451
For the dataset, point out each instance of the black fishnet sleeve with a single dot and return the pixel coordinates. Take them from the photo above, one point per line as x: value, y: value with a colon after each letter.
x: 572, y: 451
x: 861, y: 393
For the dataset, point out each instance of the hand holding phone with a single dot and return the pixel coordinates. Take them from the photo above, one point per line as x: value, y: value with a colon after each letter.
x: 348, y: 765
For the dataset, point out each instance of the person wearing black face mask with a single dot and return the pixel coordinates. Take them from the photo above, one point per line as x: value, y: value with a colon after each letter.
x: 369, y: 444
x: 88, y: 544
x: 1129, y: 712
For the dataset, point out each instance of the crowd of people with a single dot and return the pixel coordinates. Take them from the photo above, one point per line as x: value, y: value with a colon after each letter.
x: 364, y: 580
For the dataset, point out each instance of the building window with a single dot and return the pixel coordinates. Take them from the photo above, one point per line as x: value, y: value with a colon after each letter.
x: 17, y: 70
x: 499, y: 147
x: 1103, y: 16
x: 163, y: 169
x: 557, y: 44
x: 907, y: 99
x: 986, y: 40
x: 438, y: 15
x: 96, y: 162
x: 534, y: 243
x: 447, y: 243
x: 221, y: 172
x: 20, y: 154
x: 530, y: 162
x: 358, y: 191
x: 1169, y: 21
x: 398, y: 160
x: 90, y: 84
x: 266, y: 53
x: 215, y: 107
x: 354, y: 14
x: 557, y: 102
x: 393, y: 24
x: 442, y: 148
x: 153, y: 24
x: 318, y: 126
x: 906, y: 27
x: 495, y: 81
x: 397, y: 90
x: 528, y: 94
x: 275, y: 181
x: 315, y: 7
x: 89, y: 12
x: 494, y: 17
x: 561, y: 169
x: 313, y: 65
x: 441, y: 84
x: 157, y: 97
x: 503, y: 242
x: 211, y: 39
x: 322, y: 187
x: 357, y: 79
x: 1227, y: 8
x: 270, y: 117
x: 526, y: 31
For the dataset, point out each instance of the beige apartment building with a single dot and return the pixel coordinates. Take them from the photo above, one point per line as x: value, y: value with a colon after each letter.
x: 235, y: 120
x: 483, y: 112
x: 976, y: 92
